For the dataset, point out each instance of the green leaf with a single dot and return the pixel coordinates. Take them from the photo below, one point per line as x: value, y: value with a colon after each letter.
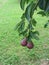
x: 42, y: 4
x: 46, y: 24
x: 47, y: 8
x: 29, y: 11
x: 27, y: 1
x: 30, y: 26
x: 34, y: 35
x: 34, y: 22
x: 24, y: 33
x: 22, y: 4
x: 21, y: 26
x: 23, y: 16
x: 36, y: 32
x: 42, y: 13
x: 17, y: 26
x: 47, y: 3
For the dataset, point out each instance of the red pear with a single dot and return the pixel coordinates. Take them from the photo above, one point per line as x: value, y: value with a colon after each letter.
x: 30, y: 45
x: 24, y: 42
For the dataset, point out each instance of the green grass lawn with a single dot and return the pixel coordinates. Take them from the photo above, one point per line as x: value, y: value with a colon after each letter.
x: 11, y: 52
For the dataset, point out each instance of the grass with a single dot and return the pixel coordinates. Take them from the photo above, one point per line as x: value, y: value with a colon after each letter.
x: 11, y: 52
